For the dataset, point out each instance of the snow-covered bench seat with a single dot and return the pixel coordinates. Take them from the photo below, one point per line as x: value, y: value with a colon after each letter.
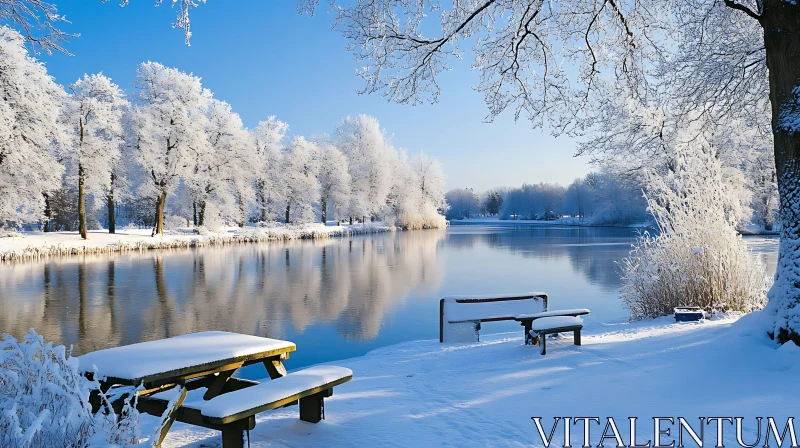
x: 526, y: 319
x: 556, y: 324
x: 233, y: 412
x: 460, y: 317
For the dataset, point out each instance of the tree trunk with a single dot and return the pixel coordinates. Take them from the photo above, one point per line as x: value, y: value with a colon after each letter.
x: 48, y: 213
x: 781, y: 22
x: 81, y: 201
x: 262, y: 200
x: 351, y: 220
x: 81, y: 191
x: 112, y: 218
x: 194, y: 213
x: 324, y: 202
x: 287, y: 213
x: 201, y: 215
x: 160, y: 203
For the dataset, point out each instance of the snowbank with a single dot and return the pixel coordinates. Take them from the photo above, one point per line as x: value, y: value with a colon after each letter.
x: 38, y: 245
x: 484, y: 394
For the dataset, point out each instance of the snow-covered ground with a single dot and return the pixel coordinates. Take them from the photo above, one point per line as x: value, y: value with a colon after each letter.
x: 484, y: 394
x: 35, y: 245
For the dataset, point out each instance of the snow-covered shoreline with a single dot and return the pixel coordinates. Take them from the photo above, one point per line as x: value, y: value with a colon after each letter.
x: 423, y: 393
x: 29, y: 246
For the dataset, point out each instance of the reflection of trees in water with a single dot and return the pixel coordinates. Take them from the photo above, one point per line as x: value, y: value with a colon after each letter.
x: 586, y: 248
x: 267, y: 290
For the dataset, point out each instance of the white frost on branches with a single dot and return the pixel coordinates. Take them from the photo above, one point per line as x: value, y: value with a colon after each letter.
x: 697, y: 258
x: 29, y: 128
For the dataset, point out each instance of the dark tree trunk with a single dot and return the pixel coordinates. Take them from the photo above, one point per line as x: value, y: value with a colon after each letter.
x: 194, y: 213
x: 781, y: 22
x: 81, y: 192
x: 201, y: 215
x: 324, y: 202
x: 351, y: 220
x: 160, y: 204
x: 48, y: 213
x: 112, y: 217
x: 287, y: 213
x: 81, y: 202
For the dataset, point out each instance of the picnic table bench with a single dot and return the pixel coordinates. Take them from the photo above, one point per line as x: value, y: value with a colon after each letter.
x: 166, y: 369
x: 554, y: 325
x: 526, y: 320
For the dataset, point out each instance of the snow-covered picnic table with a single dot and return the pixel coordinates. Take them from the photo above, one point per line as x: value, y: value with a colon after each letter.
x: 208, y: 360
x: 177, y: 359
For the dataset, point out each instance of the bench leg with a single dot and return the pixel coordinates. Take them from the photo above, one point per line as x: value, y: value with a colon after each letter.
x: 232, y: 438
x: 542, y: 343
x: 528, y: 338
x: 577, y: 337
x: 312, y: 408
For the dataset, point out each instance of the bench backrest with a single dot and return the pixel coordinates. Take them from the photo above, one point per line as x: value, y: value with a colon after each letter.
x: 456, y: 310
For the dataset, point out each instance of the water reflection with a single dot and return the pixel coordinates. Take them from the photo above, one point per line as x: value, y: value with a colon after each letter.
x: 268, y: 290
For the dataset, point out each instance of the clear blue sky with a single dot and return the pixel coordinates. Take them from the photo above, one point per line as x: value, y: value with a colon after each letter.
x: 264, y: 59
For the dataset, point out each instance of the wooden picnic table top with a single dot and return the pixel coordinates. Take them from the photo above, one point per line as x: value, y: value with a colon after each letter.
x: 180, y: 356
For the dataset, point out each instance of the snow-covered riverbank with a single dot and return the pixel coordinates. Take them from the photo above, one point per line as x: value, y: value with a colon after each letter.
x: 484, y: 394
x: 39, y: 245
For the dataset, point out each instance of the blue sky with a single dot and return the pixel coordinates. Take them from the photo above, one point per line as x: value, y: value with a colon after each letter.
x: 264, y: 59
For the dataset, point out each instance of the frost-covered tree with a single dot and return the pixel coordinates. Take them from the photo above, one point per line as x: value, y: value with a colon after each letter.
x: 361, y: 139
x: 430, y: 179
x: 222, y: 176
x: 334, y: 179
x: 563, y: 61
x: 29, y: 127
x: 301, y: 187
x: 417, y: 193
x: 268, y: 139
x: 94, y: 113
x: 170, y: 121
x: 463, y: 203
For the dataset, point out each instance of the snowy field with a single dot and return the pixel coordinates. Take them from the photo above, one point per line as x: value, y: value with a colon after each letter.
x: 484, y: 394
x: 36, y: 245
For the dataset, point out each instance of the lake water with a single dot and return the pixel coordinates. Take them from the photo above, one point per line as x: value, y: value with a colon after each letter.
x: 335, y: 298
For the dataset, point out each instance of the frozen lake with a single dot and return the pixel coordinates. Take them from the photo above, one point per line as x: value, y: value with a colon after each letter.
x: 335, y: 299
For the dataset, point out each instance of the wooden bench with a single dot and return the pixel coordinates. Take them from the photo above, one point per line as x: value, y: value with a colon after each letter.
x: 556, y: 324
x: 527, y: 319
x: 460, y: 317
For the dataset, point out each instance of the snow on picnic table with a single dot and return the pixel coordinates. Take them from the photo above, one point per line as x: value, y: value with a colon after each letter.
x: 136, y: 361
x: 425, y: 394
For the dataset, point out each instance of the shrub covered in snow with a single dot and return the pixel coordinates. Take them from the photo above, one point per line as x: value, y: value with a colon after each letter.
x: 697, y: 258
x: 44, y: 400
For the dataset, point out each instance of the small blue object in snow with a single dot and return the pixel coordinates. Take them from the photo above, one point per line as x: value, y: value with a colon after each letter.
x: 688, y: 314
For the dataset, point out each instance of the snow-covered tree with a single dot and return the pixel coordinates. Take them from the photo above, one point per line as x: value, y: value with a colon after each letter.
x: 463, y: 203
x: 170, y: 120
x: 430, y: 179
x: 268, y: 137
x: 29, y: 127
x: 334, y: 179
x: 301, y: 185
x: 361, y: 139
x: 94, y: 113
x: 222, y: 176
